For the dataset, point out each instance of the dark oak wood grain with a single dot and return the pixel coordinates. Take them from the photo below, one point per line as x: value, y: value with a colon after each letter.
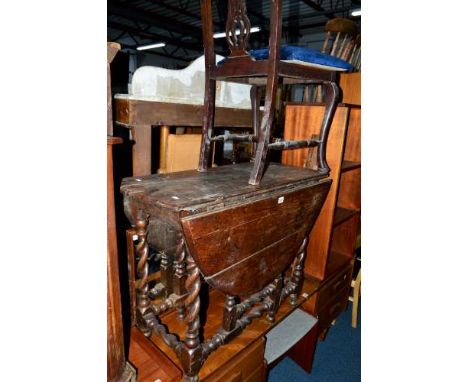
x: 240, y: 239
x: 240, y: 250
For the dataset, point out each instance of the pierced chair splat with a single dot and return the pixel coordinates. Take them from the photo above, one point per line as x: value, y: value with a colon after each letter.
x: 267, y: 68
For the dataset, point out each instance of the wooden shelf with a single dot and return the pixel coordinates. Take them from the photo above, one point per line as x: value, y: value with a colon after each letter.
x: 251, y: 333
x: 349, y: 165
x: 343, y: 214
x: 336, y: 262
x: 333, y: 237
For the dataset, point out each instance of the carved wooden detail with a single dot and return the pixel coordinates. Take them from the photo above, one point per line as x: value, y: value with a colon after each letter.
x: 297, y: 276
x: 237, y: 315
x: 237, y: 22
x: 142, y: 292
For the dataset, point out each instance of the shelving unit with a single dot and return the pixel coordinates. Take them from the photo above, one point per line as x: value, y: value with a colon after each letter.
x: 332, y: 242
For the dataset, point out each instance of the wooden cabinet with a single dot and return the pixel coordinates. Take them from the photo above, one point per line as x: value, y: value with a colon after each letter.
x: 151, y: 363
x: 350, y: 84
x: 246, y: 366
x: 333, y: 239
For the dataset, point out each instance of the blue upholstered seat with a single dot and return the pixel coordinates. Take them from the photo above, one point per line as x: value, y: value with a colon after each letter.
x: 305, y: 56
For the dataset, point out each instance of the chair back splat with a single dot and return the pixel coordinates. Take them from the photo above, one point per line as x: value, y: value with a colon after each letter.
x: 240, y: 66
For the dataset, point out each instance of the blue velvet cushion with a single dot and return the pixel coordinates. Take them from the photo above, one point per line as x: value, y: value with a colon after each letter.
x: 289, y: 52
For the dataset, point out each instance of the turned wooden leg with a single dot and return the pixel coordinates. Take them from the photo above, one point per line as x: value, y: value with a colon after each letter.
x: 191, y: 352
x: 298, y: 272
x: 265, y: 130
x: 131, y: 273
x: 276, y: 298
x: 163, y: 139
x: 306, y: 95
x: 230, y: 313
x: 180, y: 275
x: 142, y: 297
x: 166, y: 273
x: 141, y: 150
x: 356, y: 292
x: 208, y: 123
x: 255, y: 101
x: 331, y: 95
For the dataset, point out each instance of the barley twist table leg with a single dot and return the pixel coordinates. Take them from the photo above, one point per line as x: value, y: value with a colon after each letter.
x: 191, y: 354
x: 298, y: 272
x: 142, y: 250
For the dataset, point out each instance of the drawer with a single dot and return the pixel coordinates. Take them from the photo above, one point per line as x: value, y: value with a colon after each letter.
x: 334, y: 287
x: 257, y: 376
x: 246, y: 366
x: 333, y: 308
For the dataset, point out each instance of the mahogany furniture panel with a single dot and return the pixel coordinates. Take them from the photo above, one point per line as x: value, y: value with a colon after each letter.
x: 303, y: 352
x: 333, y: 238
x: 301, y: 121
x: 350, y: 84
x: 150, y: 362
x: 244, y: 367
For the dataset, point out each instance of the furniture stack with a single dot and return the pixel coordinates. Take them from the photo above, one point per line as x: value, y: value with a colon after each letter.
x: 231, y: 241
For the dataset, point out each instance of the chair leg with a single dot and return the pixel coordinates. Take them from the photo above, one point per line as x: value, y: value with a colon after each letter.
x: 208, y: 123
x: 356, y: 292
x: 265, y: 131
x: 255, y: 100
x: 331, y: 97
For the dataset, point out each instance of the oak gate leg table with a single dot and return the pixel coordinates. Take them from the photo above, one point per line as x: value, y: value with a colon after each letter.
x: 242, y: 229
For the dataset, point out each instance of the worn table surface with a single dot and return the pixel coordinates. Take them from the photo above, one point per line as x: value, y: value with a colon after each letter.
x: 189, y: 189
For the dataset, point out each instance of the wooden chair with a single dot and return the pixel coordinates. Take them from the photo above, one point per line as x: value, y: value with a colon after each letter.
x: 355, y: 58
x: 340, y: 41
x: 340, y: 38
x: 356, y: 286
x: 268, y: 67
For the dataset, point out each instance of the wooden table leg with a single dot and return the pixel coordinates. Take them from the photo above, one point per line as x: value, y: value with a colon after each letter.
x: 141, y: 150
x: 356, y: 291
x: 163, y: 149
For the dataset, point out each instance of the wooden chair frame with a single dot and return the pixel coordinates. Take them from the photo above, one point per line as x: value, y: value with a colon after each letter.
x: 241, y: 67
